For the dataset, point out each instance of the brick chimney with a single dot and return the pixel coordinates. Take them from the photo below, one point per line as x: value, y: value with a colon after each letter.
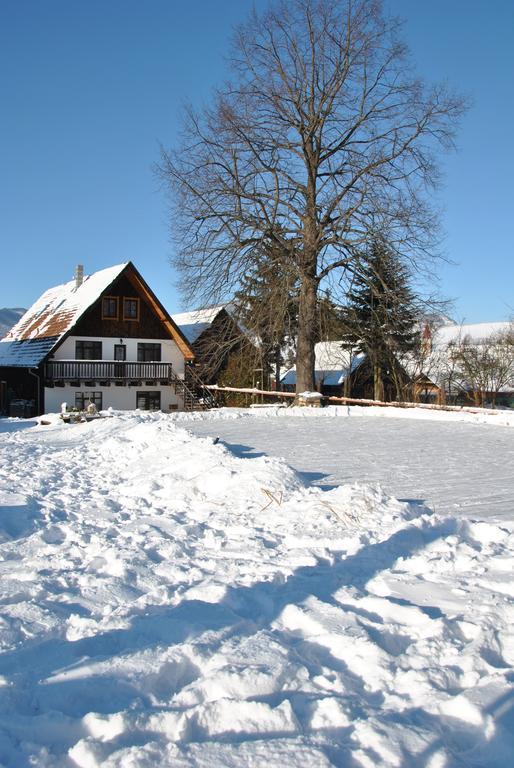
x: 79, y: 275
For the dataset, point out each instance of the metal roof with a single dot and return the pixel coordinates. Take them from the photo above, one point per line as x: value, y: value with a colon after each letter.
x: 25, y: 354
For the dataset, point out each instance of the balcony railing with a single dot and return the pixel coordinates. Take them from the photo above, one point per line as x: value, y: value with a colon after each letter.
x: 105, y: 370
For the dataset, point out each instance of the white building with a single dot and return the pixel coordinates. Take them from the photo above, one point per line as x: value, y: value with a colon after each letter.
x: 103, y: 338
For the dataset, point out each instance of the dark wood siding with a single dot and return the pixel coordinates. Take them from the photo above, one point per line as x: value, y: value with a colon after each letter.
x: 214, y: 347
x: 20, y: 384
x: 147, y: 327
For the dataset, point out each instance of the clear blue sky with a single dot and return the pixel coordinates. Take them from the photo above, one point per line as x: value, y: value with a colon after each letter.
x: 89, y: 89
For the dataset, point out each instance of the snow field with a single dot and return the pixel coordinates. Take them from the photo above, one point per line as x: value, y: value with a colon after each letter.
x: 164, y: 602
x: 456, y: 463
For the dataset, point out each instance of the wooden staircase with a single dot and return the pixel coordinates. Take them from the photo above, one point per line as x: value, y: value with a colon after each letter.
x: 192, y: 389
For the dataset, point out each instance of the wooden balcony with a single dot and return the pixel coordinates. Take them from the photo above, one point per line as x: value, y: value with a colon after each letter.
x: 106, y: 370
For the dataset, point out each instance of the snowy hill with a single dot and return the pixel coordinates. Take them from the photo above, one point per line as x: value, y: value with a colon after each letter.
x: 8, y: 318
x: 165, y: 603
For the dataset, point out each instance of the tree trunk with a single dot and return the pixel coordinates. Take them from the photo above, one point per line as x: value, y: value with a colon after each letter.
x: 278, y: 384
x: 305, y: 355
x: 378, y: 389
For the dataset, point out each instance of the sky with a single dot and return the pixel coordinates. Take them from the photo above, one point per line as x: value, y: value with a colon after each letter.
x: 90, y: 90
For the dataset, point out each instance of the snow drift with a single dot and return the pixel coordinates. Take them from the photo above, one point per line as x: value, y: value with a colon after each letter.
x: 166, y: 603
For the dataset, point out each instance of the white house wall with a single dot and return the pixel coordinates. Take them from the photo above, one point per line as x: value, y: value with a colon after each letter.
x: 170, y: 353
x: 119, y: 398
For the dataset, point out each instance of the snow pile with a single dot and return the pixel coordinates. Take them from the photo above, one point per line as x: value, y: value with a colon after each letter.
x: 166, y: 603
x: 503, y: 418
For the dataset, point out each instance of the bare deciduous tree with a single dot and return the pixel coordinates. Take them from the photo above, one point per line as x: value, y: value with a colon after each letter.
x: 322, y: 139
x: 484, y: 369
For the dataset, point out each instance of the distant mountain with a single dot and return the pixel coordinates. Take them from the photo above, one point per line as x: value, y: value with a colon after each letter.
x: 8, y: 318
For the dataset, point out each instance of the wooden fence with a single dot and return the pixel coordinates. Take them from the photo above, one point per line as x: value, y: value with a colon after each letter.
x: 252, y: 391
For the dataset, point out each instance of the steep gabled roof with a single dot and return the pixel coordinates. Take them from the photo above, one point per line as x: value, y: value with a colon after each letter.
x: 193, y: 324
x: 58, y: 310
x: 162, y: 313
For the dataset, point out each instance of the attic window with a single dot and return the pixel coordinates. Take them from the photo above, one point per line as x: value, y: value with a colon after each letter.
x: 130, y: 309
x: 110, y: 308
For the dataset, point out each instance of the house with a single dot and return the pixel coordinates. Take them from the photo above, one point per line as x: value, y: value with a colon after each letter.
x: 220, y: 344
x: 467, y: 363
x: 460, y: 364
x: 103, y: 338
x: 335, y: 367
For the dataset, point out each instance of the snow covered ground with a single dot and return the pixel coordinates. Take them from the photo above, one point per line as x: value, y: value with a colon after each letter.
x: 167, y: 603
x: 458, y: 463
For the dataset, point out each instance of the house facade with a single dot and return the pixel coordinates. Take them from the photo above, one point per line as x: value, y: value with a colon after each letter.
x: 467, y: 364
x: 225, y: 352
x: 104, y: 338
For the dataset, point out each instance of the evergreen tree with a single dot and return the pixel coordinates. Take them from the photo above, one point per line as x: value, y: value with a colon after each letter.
x: 380, y: 318
x: 267, y: 306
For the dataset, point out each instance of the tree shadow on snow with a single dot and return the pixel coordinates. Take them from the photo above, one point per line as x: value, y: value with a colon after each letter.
x: 242, y: 611
x: 16, y: 425
x: 249, y: 452
x: 314, y: 478
x: 60, y: 674
x: 242, y: 451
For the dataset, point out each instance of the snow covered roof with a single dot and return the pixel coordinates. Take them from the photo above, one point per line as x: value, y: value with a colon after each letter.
x: 333, y: 364
x: 56, y: 312
x: 438, y: 364
x: 42, y: 326
x: 475, y: 332
x: 59, y: 308
x: 26, y: 354
x: 193, y: 324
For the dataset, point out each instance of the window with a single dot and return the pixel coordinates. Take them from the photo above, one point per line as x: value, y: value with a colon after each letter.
x: 148, y: 401
x: 120, y: 351
x: 82, y: 400
x: 147, y: 353
x: 131, y: 309
x: 110, y: 308
x: 88, y: 350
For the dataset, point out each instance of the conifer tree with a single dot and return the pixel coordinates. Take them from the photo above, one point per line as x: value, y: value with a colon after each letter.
x: 267, y: 307
x: 380, y: 318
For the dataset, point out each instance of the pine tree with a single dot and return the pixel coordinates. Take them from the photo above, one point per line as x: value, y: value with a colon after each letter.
x: 380, y: 317
x: 267, y: 306
x: 267, y: 303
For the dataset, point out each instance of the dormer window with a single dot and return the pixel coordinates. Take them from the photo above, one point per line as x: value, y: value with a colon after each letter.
x: 130, y: 309
x: 110, y: 308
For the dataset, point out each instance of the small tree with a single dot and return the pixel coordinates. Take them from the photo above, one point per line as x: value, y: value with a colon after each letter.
x: 381, y: 316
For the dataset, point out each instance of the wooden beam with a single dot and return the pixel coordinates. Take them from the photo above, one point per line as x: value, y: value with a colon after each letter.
x: 355, y: 401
